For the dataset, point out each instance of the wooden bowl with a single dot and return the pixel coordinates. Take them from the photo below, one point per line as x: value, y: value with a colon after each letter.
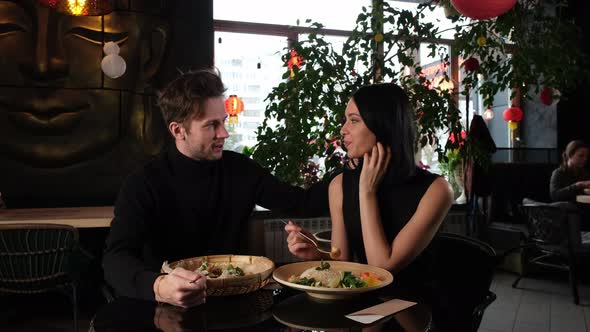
x: 261, y: 269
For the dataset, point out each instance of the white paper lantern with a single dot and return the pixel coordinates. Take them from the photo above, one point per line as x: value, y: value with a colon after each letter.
x: 113, y: 65
x: 111, y: 48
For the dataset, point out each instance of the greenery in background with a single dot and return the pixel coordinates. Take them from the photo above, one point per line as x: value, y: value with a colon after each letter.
x: 522, y: 50
x: 453, y: 161
x: 308, y: 108
x: 544, y: 46
x: 305, y: 112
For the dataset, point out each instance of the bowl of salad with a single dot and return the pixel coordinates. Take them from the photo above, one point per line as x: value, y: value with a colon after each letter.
x: 332, y: 279
x: 228, y: 274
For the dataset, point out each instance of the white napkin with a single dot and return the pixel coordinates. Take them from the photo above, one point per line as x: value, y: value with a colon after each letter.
x: 376, y: 312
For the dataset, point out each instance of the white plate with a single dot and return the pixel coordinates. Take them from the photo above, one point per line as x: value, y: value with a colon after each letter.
x: 283, y: 273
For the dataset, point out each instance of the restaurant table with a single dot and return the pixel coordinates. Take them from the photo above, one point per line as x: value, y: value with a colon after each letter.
x: 584, y: 199
x: 79, y: 217
x: 280, y: 309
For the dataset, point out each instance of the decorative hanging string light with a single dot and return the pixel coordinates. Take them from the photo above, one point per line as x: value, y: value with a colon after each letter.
x: 233, y: 106
x: 80, y: 7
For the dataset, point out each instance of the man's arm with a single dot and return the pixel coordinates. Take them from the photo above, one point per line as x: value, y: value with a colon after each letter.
x: 560, y: 189
x: 273, y: 194
x: 124, y: 267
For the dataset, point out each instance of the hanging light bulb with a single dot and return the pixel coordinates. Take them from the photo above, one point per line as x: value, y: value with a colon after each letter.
x: 488, y: 114
x: 76, y: 7
x: 445, y: 84
x: 80, y: 7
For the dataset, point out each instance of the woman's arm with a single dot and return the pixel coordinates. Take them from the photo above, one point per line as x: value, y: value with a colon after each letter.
x: 562, y: 188
x: 336, y: 215
x: 413, y: 237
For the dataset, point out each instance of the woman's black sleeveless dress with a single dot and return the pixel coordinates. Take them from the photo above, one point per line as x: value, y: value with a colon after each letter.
x: 397, y: 204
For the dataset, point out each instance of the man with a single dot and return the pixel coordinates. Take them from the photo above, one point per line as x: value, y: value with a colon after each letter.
x: 193, y: 200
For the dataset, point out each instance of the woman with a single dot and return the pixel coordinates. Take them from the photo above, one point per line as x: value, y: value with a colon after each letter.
x: 572, y: 176
x: 384, y: 209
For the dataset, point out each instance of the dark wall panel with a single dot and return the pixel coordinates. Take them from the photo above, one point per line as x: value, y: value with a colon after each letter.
x: 68, y: 134
x: 573, y: 111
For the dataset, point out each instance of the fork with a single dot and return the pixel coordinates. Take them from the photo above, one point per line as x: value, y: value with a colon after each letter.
x: 333, y: 253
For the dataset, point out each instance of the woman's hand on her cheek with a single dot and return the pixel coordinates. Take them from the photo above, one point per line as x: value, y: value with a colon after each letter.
x: 374, y: 168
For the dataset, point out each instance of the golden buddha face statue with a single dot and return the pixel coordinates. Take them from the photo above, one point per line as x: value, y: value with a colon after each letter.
x: 57, y: 108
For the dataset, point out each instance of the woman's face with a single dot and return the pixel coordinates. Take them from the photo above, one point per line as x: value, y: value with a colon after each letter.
x: 358, y: 138
x: 579, y: 159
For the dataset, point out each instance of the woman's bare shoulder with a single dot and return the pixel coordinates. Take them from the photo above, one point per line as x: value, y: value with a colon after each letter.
x: 441, y: 189
x: 336, y: 182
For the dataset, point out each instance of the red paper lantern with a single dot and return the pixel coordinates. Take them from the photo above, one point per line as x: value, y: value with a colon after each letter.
x: 294, y: 61
x: 80, y: 7
x: 546, y: 96
x: 233, y: 107
x: 483, y: 9
x: 471, y: 64
x: 512, y: 114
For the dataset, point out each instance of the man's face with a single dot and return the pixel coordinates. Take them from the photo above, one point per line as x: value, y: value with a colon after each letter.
x: 56, y: 106
x: 205, y: 135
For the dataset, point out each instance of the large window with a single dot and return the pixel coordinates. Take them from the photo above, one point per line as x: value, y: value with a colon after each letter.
x: 251, y: 36
x: 333, y: 14
x: 250, y: 66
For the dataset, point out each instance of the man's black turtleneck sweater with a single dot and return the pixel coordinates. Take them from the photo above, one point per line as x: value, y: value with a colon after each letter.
x: 176, y: 207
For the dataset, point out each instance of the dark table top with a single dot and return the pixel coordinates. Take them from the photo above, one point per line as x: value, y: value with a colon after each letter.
x: 263, y: 310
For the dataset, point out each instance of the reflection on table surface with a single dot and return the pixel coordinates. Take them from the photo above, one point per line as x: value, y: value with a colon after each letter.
x: 263, y: 310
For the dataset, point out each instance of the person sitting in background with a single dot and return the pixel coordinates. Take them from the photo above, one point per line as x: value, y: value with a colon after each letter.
x: 193, y: 200
x: 384, y: 209
x: 572, y: 176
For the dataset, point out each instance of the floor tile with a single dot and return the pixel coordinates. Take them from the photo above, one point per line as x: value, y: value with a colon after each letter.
x: 530, y: 327
x: 569, y: 323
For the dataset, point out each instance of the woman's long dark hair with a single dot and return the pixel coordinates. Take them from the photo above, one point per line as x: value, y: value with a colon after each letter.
x: 387, y: 112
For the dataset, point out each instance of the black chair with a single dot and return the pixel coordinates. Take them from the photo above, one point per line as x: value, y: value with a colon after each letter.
x: 553, y: 240
x: 463, y: 272
x: 39, y: 258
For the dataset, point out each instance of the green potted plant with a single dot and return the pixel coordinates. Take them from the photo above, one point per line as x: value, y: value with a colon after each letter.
x: 452, y: 169
x: 308, y: 106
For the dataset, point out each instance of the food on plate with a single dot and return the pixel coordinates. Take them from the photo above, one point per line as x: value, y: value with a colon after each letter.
x: 335, y: 252
x: 324, y: 276
x: 225, y: 270
x: 370, y: 278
